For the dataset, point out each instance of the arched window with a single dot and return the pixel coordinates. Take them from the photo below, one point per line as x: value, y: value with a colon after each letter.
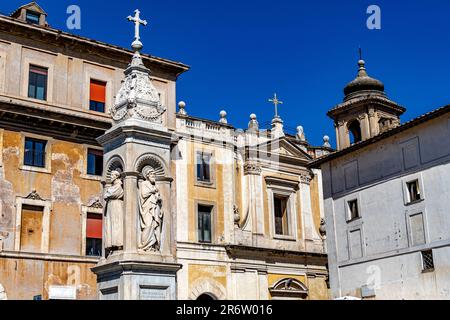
x: 355, y: 132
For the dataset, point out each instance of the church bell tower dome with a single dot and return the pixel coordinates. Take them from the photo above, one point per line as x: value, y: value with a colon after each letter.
x: 363, y: 84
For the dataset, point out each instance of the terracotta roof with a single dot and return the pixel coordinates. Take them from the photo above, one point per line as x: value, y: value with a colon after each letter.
x: 407, y: 125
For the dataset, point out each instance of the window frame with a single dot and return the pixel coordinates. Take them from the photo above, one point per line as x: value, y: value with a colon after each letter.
x: 85, y: 211
x: 283, y: 188
x: 33, y: 13
x: 422, y: 260
x: 48, y: 153
x: 43, y: 156
x: 287, y: 213
x: 95, y: 174
x: 47, y: 205
x: 98, y: 217
x: 105, y: 83
x: 349, y: 212
x: 406, y: 196
x: 30, y: 72
x: 212, y: 207
x: 212, y: 169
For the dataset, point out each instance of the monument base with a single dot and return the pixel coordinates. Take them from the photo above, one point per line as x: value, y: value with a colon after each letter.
x: 136, y: 277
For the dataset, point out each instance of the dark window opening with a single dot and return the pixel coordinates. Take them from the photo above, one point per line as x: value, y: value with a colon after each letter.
x: 355, y: 132
x: 281, y: 215
x: 427, y: 261
x: 204, y: 224
x: 37, y: 83
x: 32, y: 17
x: 206, y: 297
x: 353, y: 209
x: 94, y: 235
x: 95, y: 162
x: 204, y: 167
x: 413, y: 191
x: 34, y: 153
x: 97, y: 99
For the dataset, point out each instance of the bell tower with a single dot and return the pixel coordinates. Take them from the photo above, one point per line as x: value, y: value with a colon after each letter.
x: 365, y: 112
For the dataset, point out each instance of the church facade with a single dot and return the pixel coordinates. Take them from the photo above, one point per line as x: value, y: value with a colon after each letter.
x: 87, y: 128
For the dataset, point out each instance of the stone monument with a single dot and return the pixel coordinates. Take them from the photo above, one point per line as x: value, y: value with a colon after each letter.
x: 139, y: 256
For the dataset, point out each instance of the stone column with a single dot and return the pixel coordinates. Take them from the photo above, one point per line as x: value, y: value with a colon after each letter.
x: 310, y: 231
x: 131, y: 212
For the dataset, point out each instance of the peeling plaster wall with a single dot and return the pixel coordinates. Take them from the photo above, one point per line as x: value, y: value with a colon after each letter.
x: 68, y: 190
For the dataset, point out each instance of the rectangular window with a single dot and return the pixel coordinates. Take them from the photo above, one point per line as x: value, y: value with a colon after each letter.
x: 427, y: 261
x: 97, y: 96
x: 32, y: 17
x: 204, y: 224
x: 31, y: 229
x: 204, y: 167
x: 417, y: 229
x: 95, y: 162
x: 413, y: 191
x: 281, y: 215
x: 34, y: 153
x: 94, y: 235
x: 353, y: 210
x: 355, y: 239
x: 37, y: 83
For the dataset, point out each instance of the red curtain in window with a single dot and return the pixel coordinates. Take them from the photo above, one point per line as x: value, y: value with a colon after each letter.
x: 98, y: 91
x: 94, y: 226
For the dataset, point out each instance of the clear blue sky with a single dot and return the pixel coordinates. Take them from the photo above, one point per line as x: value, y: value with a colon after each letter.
x: 241, y: 52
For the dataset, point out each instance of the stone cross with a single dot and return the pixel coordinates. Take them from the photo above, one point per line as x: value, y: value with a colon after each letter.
x: 275, y: 102
x: 137, y: 22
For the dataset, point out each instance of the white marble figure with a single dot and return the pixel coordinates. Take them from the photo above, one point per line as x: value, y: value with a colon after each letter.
x: 151, y: 213
x: 114, y: 213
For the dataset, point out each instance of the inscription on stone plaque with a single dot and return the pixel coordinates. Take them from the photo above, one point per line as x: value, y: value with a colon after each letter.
x: 153, y: 293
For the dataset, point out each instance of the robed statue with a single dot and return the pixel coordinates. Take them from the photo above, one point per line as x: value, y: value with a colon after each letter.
x: 150, y: 212
x: 114, y: 214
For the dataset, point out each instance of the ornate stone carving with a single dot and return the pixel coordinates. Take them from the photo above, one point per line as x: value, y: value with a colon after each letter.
x: 252, y: 168
x: 34, y: 196
x: 114, y: 213
x: 138, y: 97
x: 96, y: 204
x: 305, y: 178
x: 237, y: 216
x: 322, y: 228
x: 150, y: 212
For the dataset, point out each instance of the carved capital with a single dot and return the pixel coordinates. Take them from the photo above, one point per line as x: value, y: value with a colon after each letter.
x: 305, y: 178
x: 252, y: 168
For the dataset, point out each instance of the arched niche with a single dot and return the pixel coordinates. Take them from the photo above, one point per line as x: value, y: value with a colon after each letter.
x: 115, y: 163
x: 354, y: 129
x: 152, y: 161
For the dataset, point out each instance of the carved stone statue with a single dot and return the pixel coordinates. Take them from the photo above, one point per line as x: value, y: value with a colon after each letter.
x: 114, y: 214
x: 150, y: 212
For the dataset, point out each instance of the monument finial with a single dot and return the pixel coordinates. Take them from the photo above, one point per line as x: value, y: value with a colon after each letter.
x: 137, y: 44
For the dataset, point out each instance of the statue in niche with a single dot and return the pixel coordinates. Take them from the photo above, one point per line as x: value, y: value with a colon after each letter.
x: 114, y: 214
x: 150, y: 212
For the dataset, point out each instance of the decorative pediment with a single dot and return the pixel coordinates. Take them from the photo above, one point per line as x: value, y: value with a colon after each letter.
x: 32, y: 6
x: 284, y: 148
x: 289, y: 288
x: 34, y: 196
x: 96, y: 204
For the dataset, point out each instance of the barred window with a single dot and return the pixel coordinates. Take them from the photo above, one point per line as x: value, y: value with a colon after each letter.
x: 427, y: 261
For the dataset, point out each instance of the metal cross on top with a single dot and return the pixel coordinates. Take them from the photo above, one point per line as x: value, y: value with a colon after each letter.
x: 137, y: 22
x: 275, y: 102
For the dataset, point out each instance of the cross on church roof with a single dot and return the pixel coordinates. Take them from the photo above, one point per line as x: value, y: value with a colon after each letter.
x: 137, y: 44
x: 275, y: 102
